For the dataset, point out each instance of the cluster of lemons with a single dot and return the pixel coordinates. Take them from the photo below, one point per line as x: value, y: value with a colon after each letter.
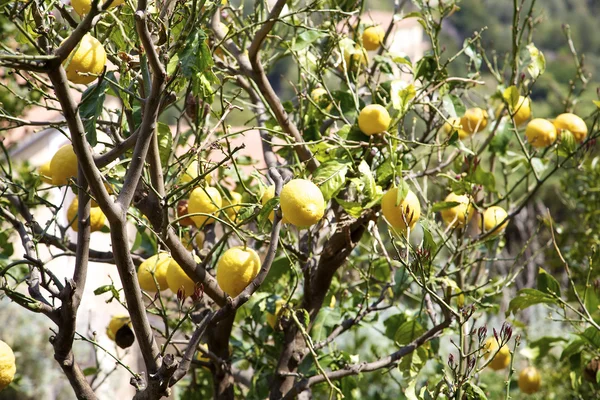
x: 530, y: 379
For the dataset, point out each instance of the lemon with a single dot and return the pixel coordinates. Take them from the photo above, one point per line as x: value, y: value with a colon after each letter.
x: 190, y: 173
x: 116, y: 323
x: 82, y: 7
x: 205, y: 200
x: 491, y: 218
x: 7, y: 365
x: 523, y: 111
x: 453, y: 125
x: 45, y: 173
x: 302, y: 203
x: 272, y: 318
x: 572, y: 123
x: 355, y: 57
x: 373, y: 119
x: 154, y: 267
x: 177, y: 278
x: 236, y: 268
x: 268, y: 195
x: 231, y: 205
x: 540, y: 133
x: 475, y: 120
x: 397, y: 212
x: 372, y: 37
x: 63, y: 165
x: 88, y: 57
x: 321, y: 97
x: 97, y: 217
x: 530, y: 380
x: 459, y: 215
x: 502, y: 359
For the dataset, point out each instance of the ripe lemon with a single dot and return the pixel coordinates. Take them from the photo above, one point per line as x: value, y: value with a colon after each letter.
x: 177, y: 278
x: 63, y: 165
x: 320, y: 96
x: 154, y: 267
x: 530, y: 380
x: 373, y: 119
x: 97, y: 217
x: 88, y: 57
x: 190, y: 173
x: 119, y: 331
x: 540, y: 133
x: 572, y: 123
x: 45, y: 173
x: 206, y: 200
x: 82, y: 7
x: 268, y: 195
x: 491, y: 218
x: 236, y: 268
x: 373, y: 37
x: 7, y: 365
x: 272, y: 318
x: 355, y: 57
x: 302, y: 203
x: 523, y: 111
x: 396, y: 212
x: 502, y: 359
x: 453, y: 125
x: 475, y: 120
x: 231, y: 204
x: 459, y: 215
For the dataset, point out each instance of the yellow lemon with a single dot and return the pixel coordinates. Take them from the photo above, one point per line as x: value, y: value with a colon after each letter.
x: 502, y: 359
x: 231, y: 204
x: 372, y: 37
x: 572, y: 123
x: 268, y: 195
x: 88, y: 57
x: 321, y: 97
x: 154, y: 267
x: 272, y: 318
x: 475, y: 120
x: 236, y: 268
x: 522, y: 111
x: 453, y: 125
x: 373, y: 119
x: 7, y: 365
x: 63, y: 165
x: 355, y: 57
x: 302, y: 203
x: 97, y: 217
x: 45, y: 173
x: 206, y: 200
x: 540, y: 133
x: 82, y: 7
x: 399, y: 212
x: 530, y: 380
x: 190, y: 173
x: 459, y: 215
x: 116, y: 323
x: 177, y: 278
x: 491, y: 218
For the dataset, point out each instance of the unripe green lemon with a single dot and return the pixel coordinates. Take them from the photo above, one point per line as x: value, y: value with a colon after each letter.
x: 302, y: 203
x: 400, y: 212
x: 236, y: 268
x: 373, y: 119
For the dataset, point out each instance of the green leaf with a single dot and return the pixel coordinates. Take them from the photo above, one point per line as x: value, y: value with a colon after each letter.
x: 263, y: 215
x: 471, y: 52
x: 528, y: 297
x: 165, y: 143
x: 511, y: 97
x: 90, y: 371
x: 366, y: 176
x: 484, y: 178
x: 402, y: 94
x: 102, y: 289
x: 538, y: 165
x: 546, y: 343
x: 408, y: 331
x: 90, y: 107
x: 500, y: 142
x: 353, y: 208
x: 195, y: 56
x: 537, y: 64
x: 280, y: 268
x: 546, y: 283
x: 592, y: 336
x: 596, y: 103
x: 443, y: 205
x: 326, y: 319
x: 393, y: 323
x: 330, y: 177
x: 474, y: 392
x: 307, y: 38
x: 453, y: 105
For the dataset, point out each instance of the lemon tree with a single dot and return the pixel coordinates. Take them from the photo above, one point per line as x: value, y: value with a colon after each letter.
x: 300, y: 199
